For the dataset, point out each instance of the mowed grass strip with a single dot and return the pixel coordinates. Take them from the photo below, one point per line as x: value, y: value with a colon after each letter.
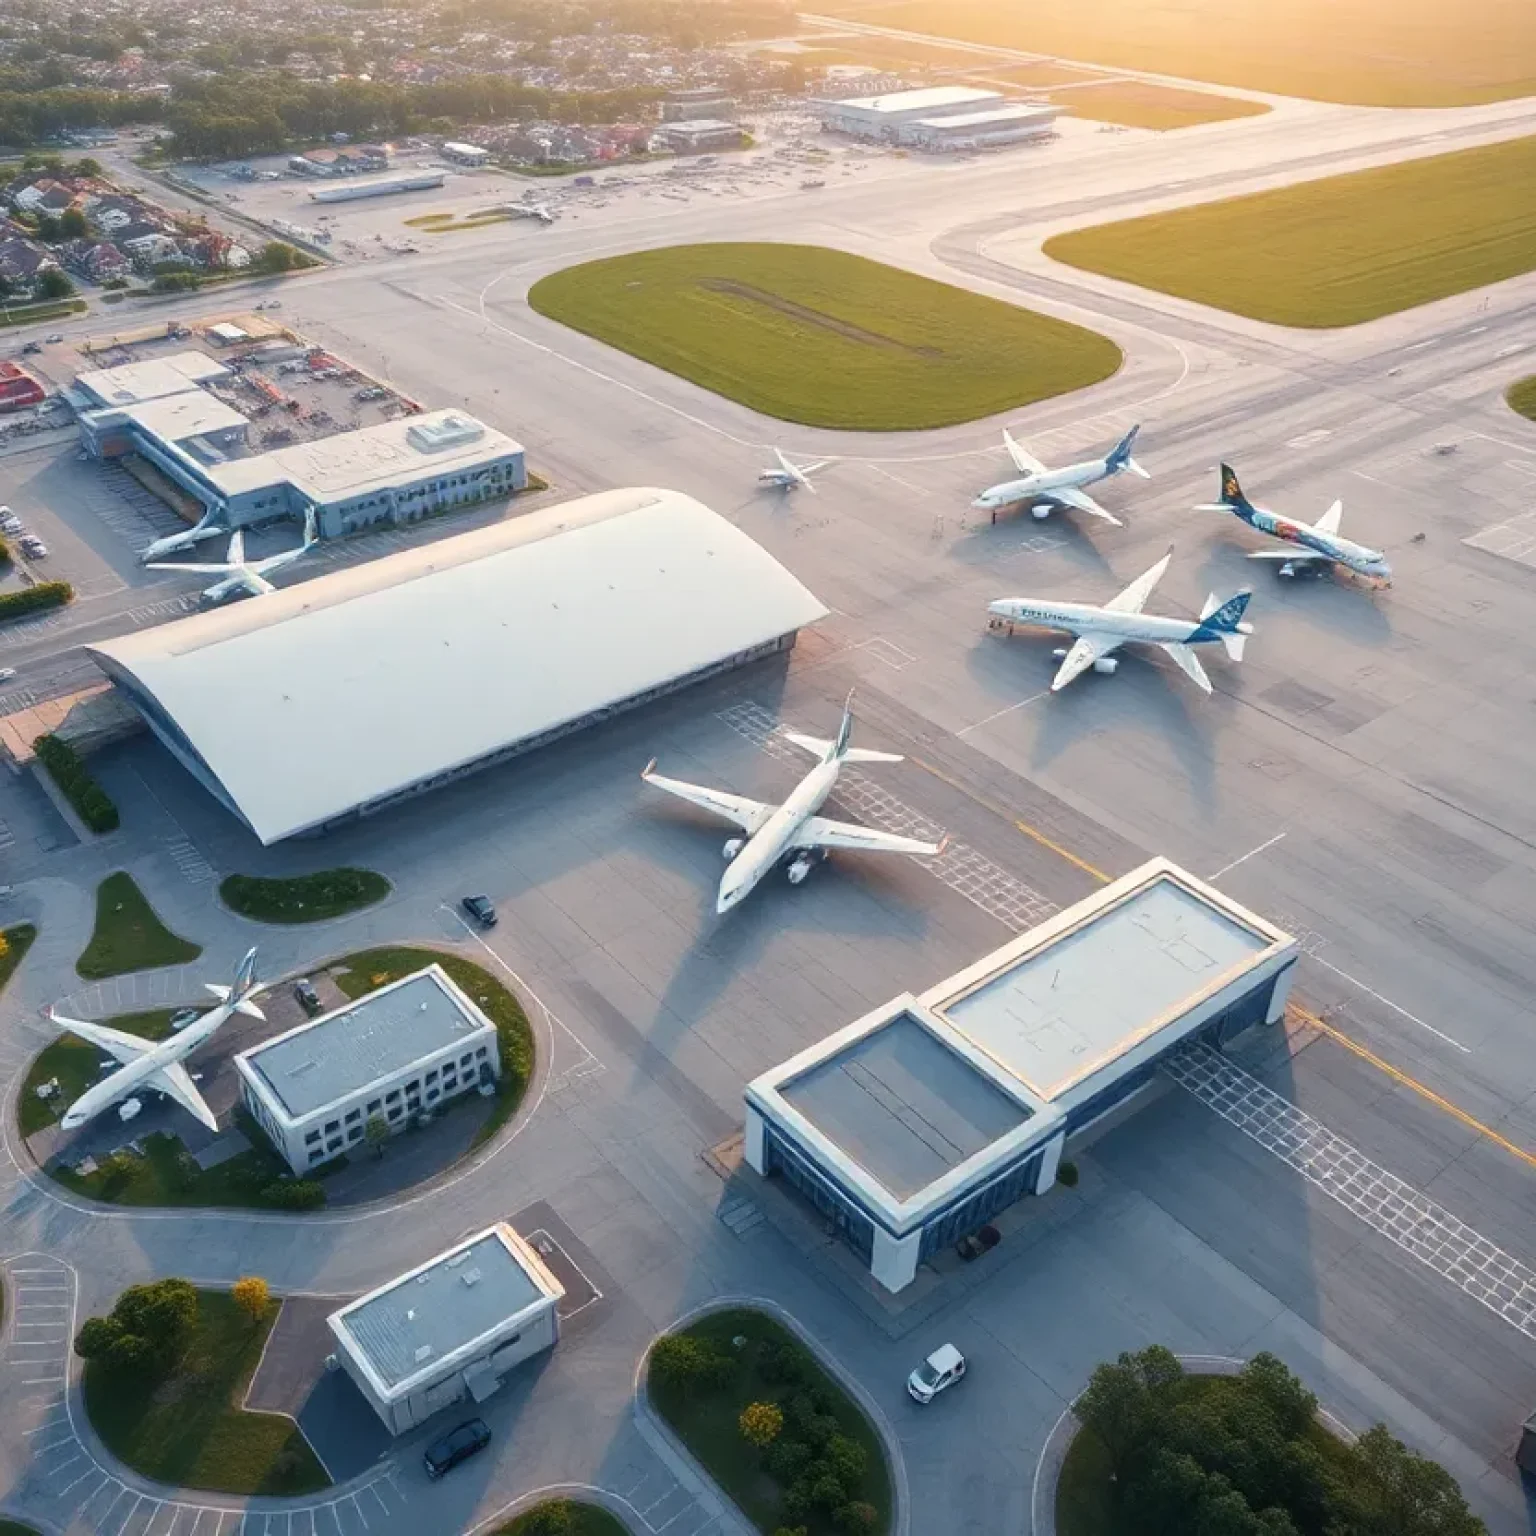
x: 1338, y: 251
x: 1141, y: 104
x: 1522, y: 397
x: 823, y: 338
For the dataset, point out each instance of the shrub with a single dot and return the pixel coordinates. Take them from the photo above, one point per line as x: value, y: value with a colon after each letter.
x: 785, y: 1530
x: 760, y: 1424
x: 788, y: 1459
x: 252, y: 1295
x: 1066, y: 1175
x: 845, y: 1460
x: 827, y: 1491
x: 798, y: 1499
x: 294, y: 1195
x: 45, y: 594
x: 857, y: 1516
x: 175, y: 282
x: 75, y: 782
x: 782, y: 1363
x: 681, y: 1361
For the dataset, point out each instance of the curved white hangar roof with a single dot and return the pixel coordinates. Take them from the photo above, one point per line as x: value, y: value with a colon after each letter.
x: 346, y: 691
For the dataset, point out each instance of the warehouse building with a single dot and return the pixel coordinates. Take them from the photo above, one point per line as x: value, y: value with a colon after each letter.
x: 696, y: 102
x: 452, y: 1328
x: 464, y: 154
x: 884, y: 117
x: 1017, y: 122
x: 697, y: 136
x: 397, y: 1054
x: 920, y: 1122
x: 386, y: 186
x: 593, y: 606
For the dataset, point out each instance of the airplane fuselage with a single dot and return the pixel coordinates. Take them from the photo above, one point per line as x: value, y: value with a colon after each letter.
x: 763, y: 850
x: 1331, y: 546
x: 1088, y: 619
x: 1040, y: 485
x: 121, y: 1083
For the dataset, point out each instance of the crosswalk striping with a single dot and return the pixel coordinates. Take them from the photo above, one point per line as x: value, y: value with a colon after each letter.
x: 978, y: 879
x: 189, y: 861
x: 1402, y: 1214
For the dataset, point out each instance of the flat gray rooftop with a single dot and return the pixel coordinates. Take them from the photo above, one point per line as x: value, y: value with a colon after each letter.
x: 1063, y: 1010
x: 455, y: 1301
x: 903, y: 1106
x: 377, y: 1035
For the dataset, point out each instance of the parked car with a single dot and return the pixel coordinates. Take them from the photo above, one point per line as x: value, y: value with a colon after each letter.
x: 457, y: 1445
x: 309, y: 999
x: 34, y: 546
x: 943, y: 1368
x: 480, y: 908
x: 6, y: 674
x: 31, y: 348
x: 10, y: 523
x: 54, y: 339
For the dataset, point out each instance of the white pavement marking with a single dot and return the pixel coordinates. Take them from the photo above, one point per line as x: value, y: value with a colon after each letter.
x: 1226, y: 869
x: 1387, y: 1002
x: 983, y: 883
x: 1402, y: 1214
x: 998, y: 714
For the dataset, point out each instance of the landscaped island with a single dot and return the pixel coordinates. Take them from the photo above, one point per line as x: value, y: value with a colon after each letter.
x: 1522, y: 397
x: 128, y: 935
x: 303, y: 898
x: 825, y: 338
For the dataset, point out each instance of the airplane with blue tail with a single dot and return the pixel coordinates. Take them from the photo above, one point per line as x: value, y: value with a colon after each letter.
x: 1046, y: 489
x: 1100, y: 631
x: 1318, y: 545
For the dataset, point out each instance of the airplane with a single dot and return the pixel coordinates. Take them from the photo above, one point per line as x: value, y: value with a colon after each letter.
x: 243, y: 575
x: 1101, y: 631
x: 157, y: 1064
x: 773, y: 832
x: 208, y: 527
x: 1321, y: 542
x: 1046, y: 489
x: 789, y: 477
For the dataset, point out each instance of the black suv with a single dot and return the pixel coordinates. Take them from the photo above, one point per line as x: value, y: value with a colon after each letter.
x: 456, y: 1446
x: 308, y: 998
x: 480, y: 908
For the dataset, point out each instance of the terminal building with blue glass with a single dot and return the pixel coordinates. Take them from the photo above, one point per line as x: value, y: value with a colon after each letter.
x: 922, y: 1121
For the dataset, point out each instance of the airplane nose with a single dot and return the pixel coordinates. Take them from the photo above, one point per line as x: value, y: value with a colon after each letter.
x: 982, y: 502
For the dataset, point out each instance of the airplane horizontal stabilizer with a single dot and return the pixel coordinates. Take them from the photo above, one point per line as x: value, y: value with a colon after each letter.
x: 247, y: 1007
x: 865, y: 755
x: 815, y: 745
x: 1292, y: 556
x: 1234, y: 645
x: 1189, y: 664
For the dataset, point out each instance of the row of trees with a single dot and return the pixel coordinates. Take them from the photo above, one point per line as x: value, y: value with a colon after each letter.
x: 150, y: 1327
x: 91, y: 802
x: 1245, y: 1456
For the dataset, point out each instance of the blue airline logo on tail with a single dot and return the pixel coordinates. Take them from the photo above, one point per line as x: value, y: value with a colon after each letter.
x: 1225, y: 619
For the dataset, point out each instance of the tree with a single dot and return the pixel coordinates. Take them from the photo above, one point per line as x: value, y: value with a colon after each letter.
x: 1392, y: 1491
x: 72, y: 224
x: 277, y: 256
x: 760, y: 1424
x: 253, y: 1296
x: 148, y: 1329
x: 376, y: 1134
x: 1271, y: 1381
x: 53, y: 284
x: 1126, y: 1404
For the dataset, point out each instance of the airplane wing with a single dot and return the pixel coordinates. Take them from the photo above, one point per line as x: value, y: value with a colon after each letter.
x: 253, y: 581
x: 749, y: 815
x: 1135, y: 596
x: 821, y: 832
x: 810, y: 469
x: 1023, y: 461
x: 176, y: 1082
x: 197, y: 570
x: 1088, y: 650
x: 1189, y: 664
x: 1329, y: 521
x: 236, y: 555
x: 122, y: 1047
x: 1071, y: 496
x: 1294, y: 556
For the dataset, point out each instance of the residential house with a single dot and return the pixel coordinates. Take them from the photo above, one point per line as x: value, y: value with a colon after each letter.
x: 22, y: 262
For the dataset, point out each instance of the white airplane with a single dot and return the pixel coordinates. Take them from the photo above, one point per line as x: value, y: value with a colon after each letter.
x: 789, y: 477
x: 157, y: 1065
x: 793, y: 829
x: 1045, y: 489
x: 1320, y: 543
x: 1101, y: 631
x: 208, y: 527
x: 245, y: 575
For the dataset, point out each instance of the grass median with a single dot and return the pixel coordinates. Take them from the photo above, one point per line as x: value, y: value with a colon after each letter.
x: 1334, y: 252
x: 1522, y: 397
x: 303, y: 898
x: 558, y: 1517
x: 823, y: 338
x: 187, y: 1429
x: 128, y: 935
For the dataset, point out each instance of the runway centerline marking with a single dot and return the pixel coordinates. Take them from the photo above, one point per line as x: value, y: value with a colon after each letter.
x: 1226, y: 869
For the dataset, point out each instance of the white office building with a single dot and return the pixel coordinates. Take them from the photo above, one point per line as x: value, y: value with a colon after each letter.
x: 915, y: 1125
x: 450, y: 1329
x: 397, y: 1053
x: 883, y: 117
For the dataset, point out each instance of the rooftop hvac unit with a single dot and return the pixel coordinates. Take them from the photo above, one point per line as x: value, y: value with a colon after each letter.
x: 471, y: 1276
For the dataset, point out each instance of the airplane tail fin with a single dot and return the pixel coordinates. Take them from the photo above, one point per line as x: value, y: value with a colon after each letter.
x: 845, y: 730
x: 1224, y: 622
x: 1120, y: 455
x: 1232, y: 497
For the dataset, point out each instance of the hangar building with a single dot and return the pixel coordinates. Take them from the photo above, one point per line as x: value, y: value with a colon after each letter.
x: 920, y: 1122
x: 286, y: 706
x: 884, y: 117
x: 1014, y: 122
x: 450, y: 1328
x: 401, y: 1051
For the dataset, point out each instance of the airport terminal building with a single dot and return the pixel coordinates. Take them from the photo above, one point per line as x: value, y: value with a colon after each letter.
x: 939, y: 117
x: 286, y: 708
x: 920, y: 1122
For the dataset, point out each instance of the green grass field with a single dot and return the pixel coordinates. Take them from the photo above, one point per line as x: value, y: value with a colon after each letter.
x: 1140, y: 104
x: 189, y: 1430
x: 586, y: 1520
x: 1383, y: 53
x: 1522, y: 397
x: 128, y: 936
x: 823, y: 338
x: 1338, y: 251
x: 303, y: 898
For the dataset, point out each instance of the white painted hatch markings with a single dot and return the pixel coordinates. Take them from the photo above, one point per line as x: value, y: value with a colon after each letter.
x: 1402, y: 1214
x: 984, y: 884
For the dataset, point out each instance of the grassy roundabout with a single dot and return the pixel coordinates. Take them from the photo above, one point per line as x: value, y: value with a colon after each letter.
x: 825, y: 1455
x: 1522, y: 397
x: 1337, y: 251
x: 182, y: 1424
x: 823, y: 338
x: 558, y: 1517
x: 128, y: 935
x: 303, y: 898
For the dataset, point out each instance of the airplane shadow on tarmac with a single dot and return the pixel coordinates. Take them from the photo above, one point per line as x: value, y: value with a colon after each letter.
x: 1008, y: 546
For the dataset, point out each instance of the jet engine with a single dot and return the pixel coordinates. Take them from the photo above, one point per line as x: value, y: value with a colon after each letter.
x: 1040, y: 511
x: 800, y: 868
x: 1287, y: 569
x: 1106, y: 665
x: 1060, y: 653
x: 733, y: 846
